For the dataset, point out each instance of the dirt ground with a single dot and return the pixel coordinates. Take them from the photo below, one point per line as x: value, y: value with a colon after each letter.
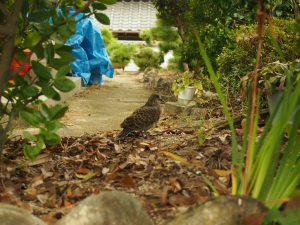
x: 100, y: 108
x: 162, y: 171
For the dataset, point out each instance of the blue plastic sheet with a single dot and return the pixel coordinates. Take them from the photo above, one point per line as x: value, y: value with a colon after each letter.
x: 92, y: 60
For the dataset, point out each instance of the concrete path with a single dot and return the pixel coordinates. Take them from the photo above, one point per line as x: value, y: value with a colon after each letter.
x: 101, y: 108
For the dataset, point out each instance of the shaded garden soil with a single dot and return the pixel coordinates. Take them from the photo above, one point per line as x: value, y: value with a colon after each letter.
x: 162, y: 171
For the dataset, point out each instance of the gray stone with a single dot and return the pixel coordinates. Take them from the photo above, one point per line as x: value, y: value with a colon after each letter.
x: 119, y: 71
x: 169, y: 98
x: 147, y: 70
x: 198, y: 112
x: 208, y: 95
x: 107, y: 208
x: 12, y: 215
x: 187, y: 110
x: 219, y: 211
x: 173, y: 108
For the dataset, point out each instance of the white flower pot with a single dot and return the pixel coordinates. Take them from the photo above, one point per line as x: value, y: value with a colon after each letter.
x: 185, y: 96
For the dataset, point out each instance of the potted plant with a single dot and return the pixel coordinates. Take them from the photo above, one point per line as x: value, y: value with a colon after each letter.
x: 271, y: 80
x: 186, y: 86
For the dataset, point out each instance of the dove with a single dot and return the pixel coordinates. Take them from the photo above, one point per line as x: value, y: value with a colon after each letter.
x: 142, y: 118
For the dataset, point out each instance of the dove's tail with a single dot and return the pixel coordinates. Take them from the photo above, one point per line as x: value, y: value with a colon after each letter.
x: 124, y: 133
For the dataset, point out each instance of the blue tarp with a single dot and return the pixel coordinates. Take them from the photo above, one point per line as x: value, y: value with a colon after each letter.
x: 92, y: 60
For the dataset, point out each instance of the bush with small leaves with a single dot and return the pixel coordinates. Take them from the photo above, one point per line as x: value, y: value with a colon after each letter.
x: 43, y: 30
x: 148, y: 58
x: 235, y: 64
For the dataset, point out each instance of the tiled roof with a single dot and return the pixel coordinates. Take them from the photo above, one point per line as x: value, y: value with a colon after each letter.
x: 130, y: 15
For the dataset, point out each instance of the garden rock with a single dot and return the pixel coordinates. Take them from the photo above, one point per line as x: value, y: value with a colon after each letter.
x: 12, y: 215
x: 175, y: 108
x: 107, y: 208
x: 219, y: 211
x: 208, y: 95
x: 119, y: 71
x: 198, y: 113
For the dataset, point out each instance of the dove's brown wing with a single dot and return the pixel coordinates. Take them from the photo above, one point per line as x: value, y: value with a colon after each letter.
x: 142, y: 118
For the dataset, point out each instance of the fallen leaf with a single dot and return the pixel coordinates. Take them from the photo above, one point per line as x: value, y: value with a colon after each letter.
x: 164, y: 194
x: 175, y: 185
x: 50, y: 203
x: 87, y: 176
x: 42, y: 158
x: 180, y: 200
x: 83, y: 170
x: 176, y: 157
x: 127, y: 181
x: 223, y: 173
x: 42, y: 198
x: 29, y: 194
x: 67, y: 204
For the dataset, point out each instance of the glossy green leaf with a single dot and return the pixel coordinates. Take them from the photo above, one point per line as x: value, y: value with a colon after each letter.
x: 20, y: 56
x: 58, y: 112
x: 45, y: 28
x: 56, y: 97
x: 28, y: 118
x: 32, y: 39
x: 57, y: 39
x: 31, y: 91
x: 25, y: 9
x: 38, y: 16
x: 32, y: 152
x: 40, y: 70
x: 38, y: 117
x: 87, y: 10
x: 40, y: 52
x: 107, y: 2
x: 62, y: 72
x: 58, y: 63
x: 99, y: 6
x: 52, y: 126
x: 64, y: 85
x: 102, y: 18
x: 48, y: 91
x: 63, y: 49
x: 49, y: 52
x: 65, y: 32
x: 52, y: 139
x: 29, y: 136
x: 78, y: 3
x: 71, y: 24
x: 45, y: 111
x: 295, y: 27
x: 64, y: 9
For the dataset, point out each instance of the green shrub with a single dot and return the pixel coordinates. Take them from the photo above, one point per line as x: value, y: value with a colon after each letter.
x: 235, y: 64
x: 169, y: 39
x: 145, y: 34
x: 148, y: 58
x: 108, y: 36
x: 120, y: 54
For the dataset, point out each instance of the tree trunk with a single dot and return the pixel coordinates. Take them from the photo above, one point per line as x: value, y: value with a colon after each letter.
x: 182, y: 35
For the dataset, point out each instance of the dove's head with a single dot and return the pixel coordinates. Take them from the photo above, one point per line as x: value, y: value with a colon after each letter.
x: 153, y: 99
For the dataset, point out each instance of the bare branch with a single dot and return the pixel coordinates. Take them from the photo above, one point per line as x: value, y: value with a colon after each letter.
x: 273, y: 9
x: 3, y: 10
x: 12, y: 116
x: 83, y: 8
